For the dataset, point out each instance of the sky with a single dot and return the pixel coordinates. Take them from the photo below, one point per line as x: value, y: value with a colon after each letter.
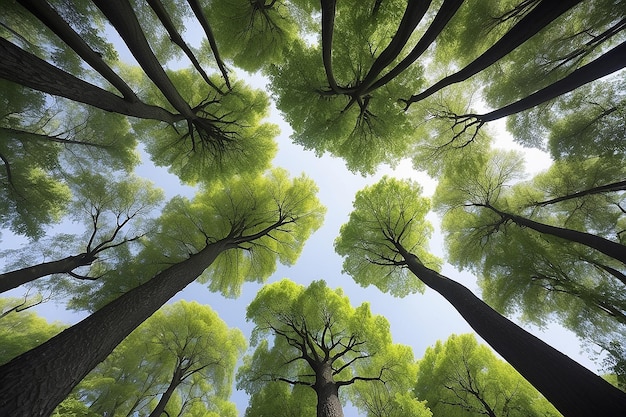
x: 417, y: 320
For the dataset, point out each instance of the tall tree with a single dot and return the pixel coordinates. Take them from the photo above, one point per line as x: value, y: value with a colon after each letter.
x: 241, y: 228
x: 460, y: 377
x: 183, y: 350
x: 385, y: 237
x: 319, y: 341
x: 107, y: 209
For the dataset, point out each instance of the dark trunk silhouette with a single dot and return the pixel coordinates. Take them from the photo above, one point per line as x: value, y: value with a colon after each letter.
x: 34, y: 383
x: 571, y: 388
x: 444, y: 14
x: 541, y: 16
x: 605, y: 246
x: 164, y: 17
x: 606, y: 188
x: 49, y: 17
x: 26, y: 69
x: 13, y: 279
x: 606, y: 64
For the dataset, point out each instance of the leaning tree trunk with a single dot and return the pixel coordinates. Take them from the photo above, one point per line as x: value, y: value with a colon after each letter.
x: 608, y: 63
x: 573, y: 389
x: 608, y: 247
x: 328, y: 404
x: 13, y: 279
x: 24, y: 68
x: 34, y: 383
x: 541, y: 16
x: 177, y: 378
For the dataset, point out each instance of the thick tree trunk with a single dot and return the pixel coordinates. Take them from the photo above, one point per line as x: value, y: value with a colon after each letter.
x: 605, y: 246
x: 34, y: 383
x: 49, y: 17
x: 13, y: 279
x: 121, y: 15
x: 571, y: 388
x: 328, y: 404
x: 538, y: 18
x: 413, y: 14
x: 26, y: 69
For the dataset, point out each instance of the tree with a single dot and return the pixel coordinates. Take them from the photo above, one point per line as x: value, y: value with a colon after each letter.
x: 183, y: 350
x: 320, y: 341
x: 241, y: 228
x: 521, y: 270
x: 107, y: 209
x: 384, y: 234
x: 462, y: 377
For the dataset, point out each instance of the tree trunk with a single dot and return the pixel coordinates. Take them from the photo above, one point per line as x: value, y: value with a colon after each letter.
x: 538, y: 18
x: 605, y: 246
x: 26, y: 69
x: 606, y: 188
x: 444, y: 14
x: 121, y: 15
x: 606, y: 64
x: 13, y: 279
x: 34, y: 383
x: 573, y: 389
x: 328, y: 404
x: 174, y: 383
x: 49, y: 17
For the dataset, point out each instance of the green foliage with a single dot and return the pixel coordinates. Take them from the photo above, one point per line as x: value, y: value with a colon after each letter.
x: 282, y: 400
x: 185, y: 336
x: 300, y: 329
x: 366, y: 126
x: 390, y: 210
x: 460, y: 377
x: 235, y: 208
x: 237, y: 141
x: 23, y: 330
x: 255, y: 34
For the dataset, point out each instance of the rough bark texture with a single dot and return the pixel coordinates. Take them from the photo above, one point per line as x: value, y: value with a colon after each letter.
x: 34, y: 383
x: 14, y: 279
x: 26, y: 69
x: 328, y: 404
x: 573, y: 389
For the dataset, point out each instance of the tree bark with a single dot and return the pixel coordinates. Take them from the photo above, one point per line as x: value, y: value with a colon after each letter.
x: 49, y: 17
x: 573, y: 389
x: 606, y: 64
x: 34, y: 383
x: 328, y: 404
x: 26, y: 69
x: 444, y: 14
x: 605, y: 246
x: 13, y: 279
x: 542, y: 15
x: 174, y: 383
x: 121, y: 15
x: 164, y: 17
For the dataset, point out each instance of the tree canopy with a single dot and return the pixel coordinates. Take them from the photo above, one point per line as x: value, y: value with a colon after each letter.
x: 100, y: 98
